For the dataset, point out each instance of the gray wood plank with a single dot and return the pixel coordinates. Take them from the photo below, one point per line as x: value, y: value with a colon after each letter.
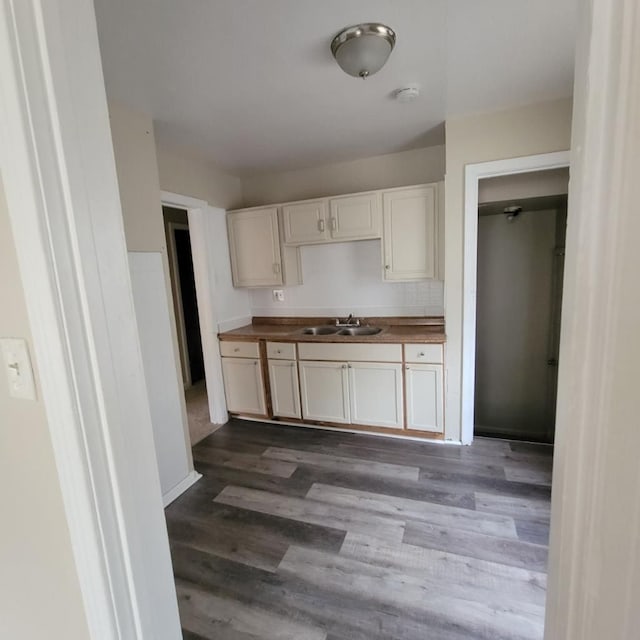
x: 346, y: 615
x: 468, y: 577
x: 205, y: 613
x: 515, y: 507
x: 536, y: 531
x: 516, y: 553
x: 246, y: 462
x: 407, y: 509
x: 341, y: 463
x: 484, y: 619
x: 522, y: 473
x: 314, y: 512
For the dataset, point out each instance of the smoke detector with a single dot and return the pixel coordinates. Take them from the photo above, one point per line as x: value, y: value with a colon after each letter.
x: 407, y: 94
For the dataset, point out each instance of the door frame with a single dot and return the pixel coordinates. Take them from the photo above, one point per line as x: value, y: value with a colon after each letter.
x: 66, y: 219
x: 176, y: 291
x: 472, y: 175
x: 198, y: 212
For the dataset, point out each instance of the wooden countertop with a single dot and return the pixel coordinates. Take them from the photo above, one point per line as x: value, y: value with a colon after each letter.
x: 394, y: 330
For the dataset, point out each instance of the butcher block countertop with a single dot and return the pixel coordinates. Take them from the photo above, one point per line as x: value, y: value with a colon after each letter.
x: 425, y: 329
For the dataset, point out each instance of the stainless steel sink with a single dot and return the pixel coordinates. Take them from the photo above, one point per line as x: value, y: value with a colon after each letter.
x: 359, y: 331
x: 319, y: 331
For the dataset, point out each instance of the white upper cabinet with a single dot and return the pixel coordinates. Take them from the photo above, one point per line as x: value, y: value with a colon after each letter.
x: 305, y: 222
x: 356, y: 217
x: 410, y: 238
x: 254, y: 246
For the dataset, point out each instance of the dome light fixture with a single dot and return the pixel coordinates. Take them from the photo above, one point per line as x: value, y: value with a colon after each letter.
x: 363, y: 49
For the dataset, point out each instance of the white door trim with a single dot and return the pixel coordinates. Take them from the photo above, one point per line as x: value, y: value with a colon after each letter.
x: 176, y: 292
x: 472, y: 176
x: 64, y: 206
x: 198, y: 212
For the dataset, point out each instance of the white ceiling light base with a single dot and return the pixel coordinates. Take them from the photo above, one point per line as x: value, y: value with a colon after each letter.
x: 363, y: 49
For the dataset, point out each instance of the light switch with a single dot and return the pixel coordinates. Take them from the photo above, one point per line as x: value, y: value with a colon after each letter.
x: 17, y: 364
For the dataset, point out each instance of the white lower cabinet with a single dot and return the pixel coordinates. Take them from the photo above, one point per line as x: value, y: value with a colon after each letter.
x: 243, y: 385
x: 375, y: 394
x: 424, y: 397
x: 285, y: 390
x: 366, y: 393
x: 324, y: 391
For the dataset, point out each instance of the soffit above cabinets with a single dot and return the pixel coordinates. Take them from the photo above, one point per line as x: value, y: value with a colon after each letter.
x: 253, y: 86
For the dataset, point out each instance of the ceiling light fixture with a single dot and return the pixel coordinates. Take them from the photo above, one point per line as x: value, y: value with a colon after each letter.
x: 363, y: 49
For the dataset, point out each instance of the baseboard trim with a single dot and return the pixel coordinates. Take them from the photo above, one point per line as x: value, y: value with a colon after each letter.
x: 180, y: 488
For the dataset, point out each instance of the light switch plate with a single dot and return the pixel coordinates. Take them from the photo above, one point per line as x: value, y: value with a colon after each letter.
x: 17, y: 364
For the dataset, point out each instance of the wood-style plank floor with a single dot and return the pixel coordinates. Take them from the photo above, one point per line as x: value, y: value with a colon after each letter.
x: 303, y: 534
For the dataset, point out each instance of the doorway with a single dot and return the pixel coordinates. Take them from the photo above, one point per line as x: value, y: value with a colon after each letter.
x: 185, y: 302
x: 519, y: 297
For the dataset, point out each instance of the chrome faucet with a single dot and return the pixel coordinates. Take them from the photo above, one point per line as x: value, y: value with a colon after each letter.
x: 348, y: 322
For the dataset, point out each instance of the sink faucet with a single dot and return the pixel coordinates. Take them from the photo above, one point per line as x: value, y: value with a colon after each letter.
x: 349, y: 322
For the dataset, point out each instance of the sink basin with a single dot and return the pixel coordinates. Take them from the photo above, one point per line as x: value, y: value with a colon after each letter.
x: 359, y: 331
x: 319, y: 331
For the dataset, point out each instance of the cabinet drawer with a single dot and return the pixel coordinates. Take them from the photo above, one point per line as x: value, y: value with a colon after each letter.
x: 427, y: 353
x: 281, y: 350
x: 239, y: 349
x: 356, y: 352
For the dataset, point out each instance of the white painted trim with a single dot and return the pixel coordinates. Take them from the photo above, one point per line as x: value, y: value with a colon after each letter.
x: 197, y: 213
x: 59, y: 174
x: 472, y: 175
x: 180, y: 488
x: 176, y: 294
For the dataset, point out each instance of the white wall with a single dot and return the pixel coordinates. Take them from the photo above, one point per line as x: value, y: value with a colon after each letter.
x: 401, y: 169
x: 232, y: 306
x: 530, y: 130
x: 184, y: 172
x: 138, y: 181
x: 524, y: 185
x: 39, y: 589
x: 345, y: 278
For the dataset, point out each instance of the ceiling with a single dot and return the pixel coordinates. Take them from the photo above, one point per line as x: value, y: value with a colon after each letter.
x: 252, y: 85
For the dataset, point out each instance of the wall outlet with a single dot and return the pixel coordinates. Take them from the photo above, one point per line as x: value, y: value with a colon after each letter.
x: 278, y: 295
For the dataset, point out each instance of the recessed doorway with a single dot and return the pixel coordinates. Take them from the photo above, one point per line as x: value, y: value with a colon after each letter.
x: 520, y: 264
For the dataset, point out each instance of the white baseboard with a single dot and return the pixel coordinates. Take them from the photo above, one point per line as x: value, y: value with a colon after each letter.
x: 180, y: 488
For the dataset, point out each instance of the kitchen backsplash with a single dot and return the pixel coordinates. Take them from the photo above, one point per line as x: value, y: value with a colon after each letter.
x: 345, y: 278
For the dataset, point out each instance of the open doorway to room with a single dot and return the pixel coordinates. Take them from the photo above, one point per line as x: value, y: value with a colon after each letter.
x: 185, y: 302
x: 520, y: 263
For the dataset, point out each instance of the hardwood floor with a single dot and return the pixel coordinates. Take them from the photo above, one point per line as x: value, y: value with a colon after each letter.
x: 296, y: 533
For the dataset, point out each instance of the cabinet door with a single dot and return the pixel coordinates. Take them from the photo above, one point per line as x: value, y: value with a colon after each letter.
x: 254, y: 246
x: 305, y: 222
x: 243, y: 386
x: 424, y: 397
x: 285, y: 390
x: 375, y: 392
x: 355, y: 217
x: 324, y: 391
x: 410, y: 236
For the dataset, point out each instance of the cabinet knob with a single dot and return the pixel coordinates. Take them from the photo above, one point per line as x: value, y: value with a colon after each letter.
x: 236, y: 350
x: 407, y: 367
x: 421, y: 354
x: 387, y: 267
x: 278, y: 351
x: 344, y: 366
x: 255, y: 362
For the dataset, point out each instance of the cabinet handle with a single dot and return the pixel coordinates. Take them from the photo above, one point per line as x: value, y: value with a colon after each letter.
x: 344, y: 366
x: 387, y: 267
x: 276, y: 267
x: 407, y: 367
x: 349, y: 366
x: 321, y: 225
x: 334, y: 224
